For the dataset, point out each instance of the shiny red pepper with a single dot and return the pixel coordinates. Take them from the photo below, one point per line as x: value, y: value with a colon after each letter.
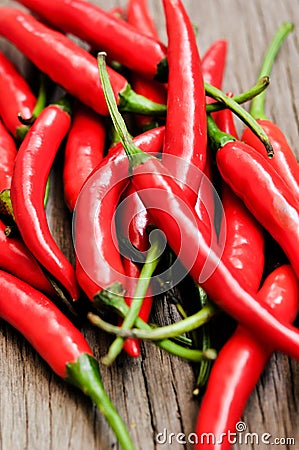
x: 185, y: 130
x: 8, y: 153
x: 213, y: 64
x: 31, y: 172
x: 59, y: 343
x: 240, y: 363
x: 84, y: 150
x: 99, y: 266
x: 104, y: 32
x: 15, y: 96
x: 17, y: 260
x: 56, y: 55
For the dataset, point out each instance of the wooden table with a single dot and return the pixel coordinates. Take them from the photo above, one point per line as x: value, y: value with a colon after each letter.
x: 154, y: 393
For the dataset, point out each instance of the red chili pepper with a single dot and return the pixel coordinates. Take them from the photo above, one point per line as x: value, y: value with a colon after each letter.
x: 240, y: 363
x: 31, y: 172
x: 15, y: 96
x: 243, y: 169
x: 225, y: 120
x: 139, y: 17
x: 17, y: 260
x: 284, y: 160
x: 213, y: 64
x: 185, y: 130
x: 56, y: 55
x: 83, y: 151
x: 8, y: 153
x: 189, y: 239
x: 104, y: 32
x: 99, y: 266
x: 59, y: 343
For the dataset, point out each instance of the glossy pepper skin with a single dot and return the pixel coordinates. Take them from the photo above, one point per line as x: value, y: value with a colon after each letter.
x: 17, y: 260
x: 185, y: 129
x: 31, y: 172
x: 103, y: 31
x: 213, y: 64
x: 56, y: 55
x: 240, y: 363
x: 15, y: 95
x: 8, y: 153
x: 84, y: 150
x: 99, y: 262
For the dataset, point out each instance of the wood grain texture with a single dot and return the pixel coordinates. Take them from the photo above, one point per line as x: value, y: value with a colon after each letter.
x: 38, y: 411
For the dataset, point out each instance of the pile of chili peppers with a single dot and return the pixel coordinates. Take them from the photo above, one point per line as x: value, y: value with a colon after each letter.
x: 146, y: 214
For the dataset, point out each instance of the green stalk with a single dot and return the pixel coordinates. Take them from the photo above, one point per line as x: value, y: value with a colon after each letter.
x: 243, y: 115
x: 258, y: 103
x: 130, y: 101
x: 149, y: 267
x: 121, y: 308
x: 85, y: 374
x: 168, y: 331
x: 254, y: 91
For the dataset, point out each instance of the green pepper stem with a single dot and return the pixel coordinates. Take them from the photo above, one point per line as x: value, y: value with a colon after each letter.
x: 258, y: 103
x: 130, y: 101
x: 217, y: 137
x: 169, y: 331
x: 85, y: 374
x: 150, y: 265
x: 242, y: 114
x: 254, y: 91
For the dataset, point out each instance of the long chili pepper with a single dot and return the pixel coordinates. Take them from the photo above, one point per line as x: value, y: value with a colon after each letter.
x: 185, y: 129
x: 99, y: 263
x: 31, y: 172
x: 8, y: 153
x: 60, y: 344
x: 15, y: 96
x: 285, y: 161
x: 104, y: 32
x: 17, y: 260
x: 213, y: 64
x: 138, y: 15
x: 188, y: 237
x: 84, y: 150
x: 240, y: 363
x: 56, y: 55
x: 243, y: 169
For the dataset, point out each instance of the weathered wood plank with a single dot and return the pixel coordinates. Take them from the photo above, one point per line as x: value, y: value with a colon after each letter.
x: 154, y: 393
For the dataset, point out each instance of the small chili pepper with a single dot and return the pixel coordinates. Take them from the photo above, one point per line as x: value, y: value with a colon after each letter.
x: 240, y: 363
x: 103, y: 31
x: 189, y: 239
x: 8, y: 153
x: 213, y: 64
x: 139, y: 16
x: 56, y: 55
x: 84, y: 150
x: 15, y: 96
x: 59, y: 343
x: 99, y: 263
x: 224, y: 120
x: 17, y: 260
x: 243, y: 169
x: 285, y: 162
x: 185, y: 129
x: 31, y: 172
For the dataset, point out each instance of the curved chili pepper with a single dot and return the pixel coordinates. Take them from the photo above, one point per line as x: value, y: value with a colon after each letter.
x: 99, y: 266
x: 17, y: 260
x: 15, y: 96
x: 243, y: 169
x: 185, y: 129
x: 8, y: 153
x: 138, y: 16
x: 104, y: 32
x: 32, y: 168
x: 84, y: 150
x: 59, y: 343
x: 213, y: 64
x: 240, y: 363
x: 284, y: 162
x: 189, y: 239
x: 56, y: 55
